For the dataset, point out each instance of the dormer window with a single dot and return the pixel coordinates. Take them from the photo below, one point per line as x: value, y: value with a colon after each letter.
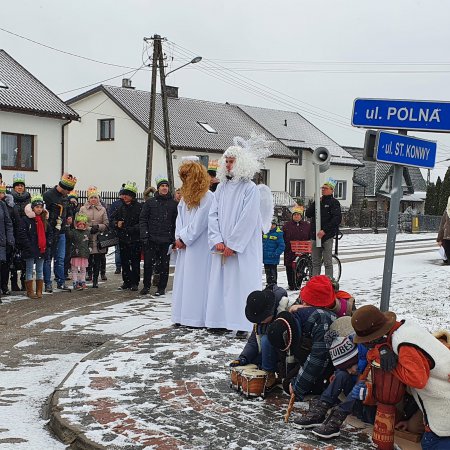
x: 207, y: 127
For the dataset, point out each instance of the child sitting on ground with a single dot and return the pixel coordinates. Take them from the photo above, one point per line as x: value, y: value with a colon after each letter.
x: 79, y: 250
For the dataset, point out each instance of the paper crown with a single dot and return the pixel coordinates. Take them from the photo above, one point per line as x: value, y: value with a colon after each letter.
x: 18, y: 178
x: 67, y: 182
x: 298, y: 209
x: 92, y: 192
x: 73, y: 194
x: 80, y: 217
x: 213, y: 165
x: 161, y: 180
x: 2, y: 188
x: 131, y: 187
x: 37, y: 200
x: 331, y: 182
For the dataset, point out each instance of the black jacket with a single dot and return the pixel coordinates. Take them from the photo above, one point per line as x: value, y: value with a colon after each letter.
x: 19, y: 236
x: 56, y: 205
x: 158, y: 216
x: 20, y: 201
x: 31, y: 249
x: 330, y: 217
x: 129, y: 214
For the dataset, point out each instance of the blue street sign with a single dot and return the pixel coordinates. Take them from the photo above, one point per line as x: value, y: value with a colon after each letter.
x: 395, y: 148
x: 401, y: 114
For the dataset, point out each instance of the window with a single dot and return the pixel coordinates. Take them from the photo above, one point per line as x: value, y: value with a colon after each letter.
x: 105, y: 131
x: 203, y: 160
x: 297, y: 188
x: 340, y: 190
x: 17, y: 151
x: 299, y: 156
x: 206, y: 126
x: 262, y: 177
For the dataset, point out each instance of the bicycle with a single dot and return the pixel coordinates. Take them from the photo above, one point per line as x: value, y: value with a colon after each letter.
x: 302, y: 264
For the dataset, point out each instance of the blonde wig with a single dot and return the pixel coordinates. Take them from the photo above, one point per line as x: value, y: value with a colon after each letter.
x: 195, y: 180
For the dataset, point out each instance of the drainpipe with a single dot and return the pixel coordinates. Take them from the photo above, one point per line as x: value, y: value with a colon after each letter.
x: 62, y: 144
x: 285, y: 175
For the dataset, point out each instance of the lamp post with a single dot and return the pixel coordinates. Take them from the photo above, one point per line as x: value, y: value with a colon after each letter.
x: 195, y: 60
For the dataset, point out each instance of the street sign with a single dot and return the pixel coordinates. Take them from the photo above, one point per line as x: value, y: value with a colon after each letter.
x: 396, y: 148
x: 401, y: 114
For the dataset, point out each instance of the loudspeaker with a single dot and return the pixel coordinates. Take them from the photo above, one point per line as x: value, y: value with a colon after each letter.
x: 322, y: 157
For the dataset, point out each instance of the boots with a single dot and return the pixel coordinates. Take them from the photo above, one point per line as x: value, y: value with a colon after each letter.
x: 272, y: 381
x: 30, y: 290
x: 39, y: 287
x: 315, y: 415
x: 14, y: 286
x: 95, y: 281
x: 332, y: 425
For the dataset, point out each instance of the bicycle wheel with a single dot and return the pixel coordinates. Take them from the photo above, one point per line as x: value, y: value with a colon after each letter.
x: 303, y: 270
x: 337, y: 267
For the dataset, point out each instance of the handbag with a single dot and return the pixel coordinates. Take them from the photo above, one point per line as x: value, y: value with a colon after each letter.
x: 441, y: 252
x: 107, y: 238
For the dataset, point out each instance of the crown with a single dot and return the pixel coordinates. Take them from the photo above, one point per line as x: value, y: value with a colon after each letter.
x: 80, y: 217
x: 130, y: 186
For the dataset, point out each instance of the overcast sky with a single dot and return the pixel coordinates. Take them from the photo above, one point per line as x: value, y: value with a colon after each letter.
x: 314, y: 57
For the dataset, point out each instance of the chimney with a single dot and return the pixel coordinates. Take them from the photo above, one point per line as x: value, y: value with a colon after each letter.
x: 126, y: 83
x: 172, y: 91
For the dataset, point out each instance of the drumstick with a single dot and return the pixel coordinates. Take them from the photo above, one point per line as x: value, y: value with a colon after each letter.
x: 290, y: 408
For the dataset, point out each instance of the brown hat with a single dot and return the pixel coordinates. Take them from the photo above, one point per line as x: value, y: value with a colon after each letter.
x: 370, y: 323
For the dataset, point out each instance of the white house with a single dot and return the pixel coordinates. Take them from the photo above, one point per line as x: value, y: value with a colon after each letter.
x: 109, y: 144
x: 32, y: 121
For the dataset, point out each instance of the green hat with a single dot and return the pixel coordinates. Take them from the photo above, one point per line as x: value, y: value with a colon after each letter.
x: 80, y: 217
x: 331, y: 183
x: 18, y: 178
x: 130, y: 189
x: 160, y: 181
x: 37, y: 200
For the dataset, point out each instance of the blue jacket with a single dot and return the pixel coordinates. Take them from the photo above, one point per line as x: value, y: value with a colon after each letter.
x: 273, y: 246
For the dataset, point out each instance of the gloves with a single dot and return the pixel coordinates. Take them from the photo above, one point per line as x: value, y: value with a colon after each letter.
x: 94, y: 229
x: 58, y: 223
x: 388, y: 359
x: 359, y: 391
x: 241, y: 361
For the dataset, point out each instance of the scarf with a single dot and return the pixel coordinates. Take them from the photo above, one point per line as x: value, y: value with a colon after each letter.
x: 40, y: 229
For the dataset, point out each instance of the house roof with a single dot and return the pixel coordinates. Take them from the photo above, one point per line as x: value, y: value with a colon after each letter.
x: 295, y: 131
x: 374, y: 174
x: 185, y: 114
x: 26, y: 94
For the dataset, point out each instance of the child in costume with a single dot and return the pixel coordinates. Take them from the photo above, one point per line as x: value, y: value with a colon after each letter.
x: 79, y: 250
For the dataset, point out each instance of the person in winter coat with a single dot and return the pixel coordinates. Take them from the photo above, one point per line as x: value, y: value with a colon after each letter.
x: 72, y: 208
x: 417, y: 359
x: 79, y: 250
x: 112, y: 208
x: 125, y: 219
x: 443, y: 237
x: 157, y: 232
x: 97, y: 222
x: 273, y: 247
x: 261, y: 309
x: 38, y: 242
x: 296, y: 229
x: 6, y: 229
x: 330, y: 219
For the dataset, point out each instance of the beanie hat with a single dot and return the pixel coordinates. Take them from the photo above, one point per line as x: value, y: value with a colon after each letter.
x: 161, y: 180
x: 73, y: 194
x: 2, y: 188
x: 343, y: 352
x: 319, y: 292
x: 212, y: 167
x: 18, y: 178
x: 80, y: 217
x: 283, y: 333
x: 92, y: 192
x: 37, y: 200
x: 67, y: 182
x: 370, y: 323
x: 331, y: 183
x: 298, y: 210
x: 260, y: 305
x: 130, y: 189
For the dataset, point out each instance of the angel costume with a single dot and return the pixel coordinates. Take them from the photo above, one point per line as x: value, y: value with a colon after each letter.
x: 235, y: 219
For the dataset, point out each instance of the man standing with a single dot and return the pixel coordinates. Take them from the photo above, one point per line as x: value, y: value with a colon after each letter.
x: 157, y: 233
x: 330, y: 218
x: 234, y: 233
x: 212, y: 172
x: 56, y: 203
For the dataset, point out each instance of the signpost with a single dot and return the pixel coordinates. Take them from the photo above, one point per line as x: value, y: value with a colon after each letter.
x: 400, y: 150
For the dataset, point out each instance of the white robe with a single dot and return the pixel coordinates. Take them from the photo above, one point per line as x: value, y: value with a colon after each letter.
x: 235, y: 220
x: 190, y: 287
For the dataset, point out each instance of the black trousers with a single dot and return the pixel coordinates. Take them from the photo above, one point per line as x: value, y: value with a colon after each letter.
x: 101, y: 262
x: 290, y: 276
x: 130, y: 254
x: 271, y: 273
x: 156, y: 255
x: 446, y: 245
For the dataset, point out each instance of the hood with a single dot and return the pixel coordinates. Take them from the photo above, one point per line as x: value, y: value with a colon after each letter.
x: 31, y: 214
x: 9, y: 200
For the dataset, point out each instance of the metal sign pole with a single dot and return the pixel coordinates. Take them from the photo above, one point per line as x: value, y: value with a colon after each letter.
x: 396, y: 195
x: 317, y: 204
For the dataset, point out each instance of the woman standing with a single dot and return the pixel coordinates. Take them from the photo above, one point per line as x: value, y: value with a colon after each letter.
x: 98, y: 222
x: 443, y: 237
x: 190, y: 291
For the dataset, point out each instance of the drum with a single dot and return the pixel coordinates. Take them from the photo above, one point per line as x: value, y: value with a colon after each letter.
x: 235, y: 375
x: 253, y: 382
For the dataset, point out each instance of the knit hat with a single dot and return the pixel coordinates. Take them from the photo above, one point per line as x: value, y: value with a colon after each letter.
x: 283, y: 333
x: 212, y: 167
x: 370, y: 323
x: 331, y: 183
x: 260, y: 305
x: 298, y: 210
x: 73, y: 194
x: 18, y: 178
x: 92, y: 192
x: 80, y: 217
x: 2, y: 188
x: 67, y: 182
x: 343, y: 352
x: 37, y: 200
x: 161, y: 180
x: 319, y: 292
x: 130, y: 189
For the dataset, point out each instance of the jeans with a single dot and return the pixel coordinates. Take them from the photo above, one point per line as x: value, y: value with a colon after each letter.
x: 271, y: 273
x: 343, y: 382
x: 58, y: 253
x: 269, y: 355
x: 156, y: 255
x: 117, y: 260
x: 30, y: 262
x: 131, y: 263
x: 431, y: 441
x: 322, y: 253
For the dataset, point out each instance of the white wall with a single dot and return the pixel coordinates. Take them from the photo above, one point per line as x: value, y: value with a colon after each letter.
x: 47, y: 146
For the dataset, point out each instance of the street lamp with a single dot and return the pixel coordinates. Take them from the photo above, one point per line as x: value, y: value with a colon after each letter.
x: 195, y: 60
